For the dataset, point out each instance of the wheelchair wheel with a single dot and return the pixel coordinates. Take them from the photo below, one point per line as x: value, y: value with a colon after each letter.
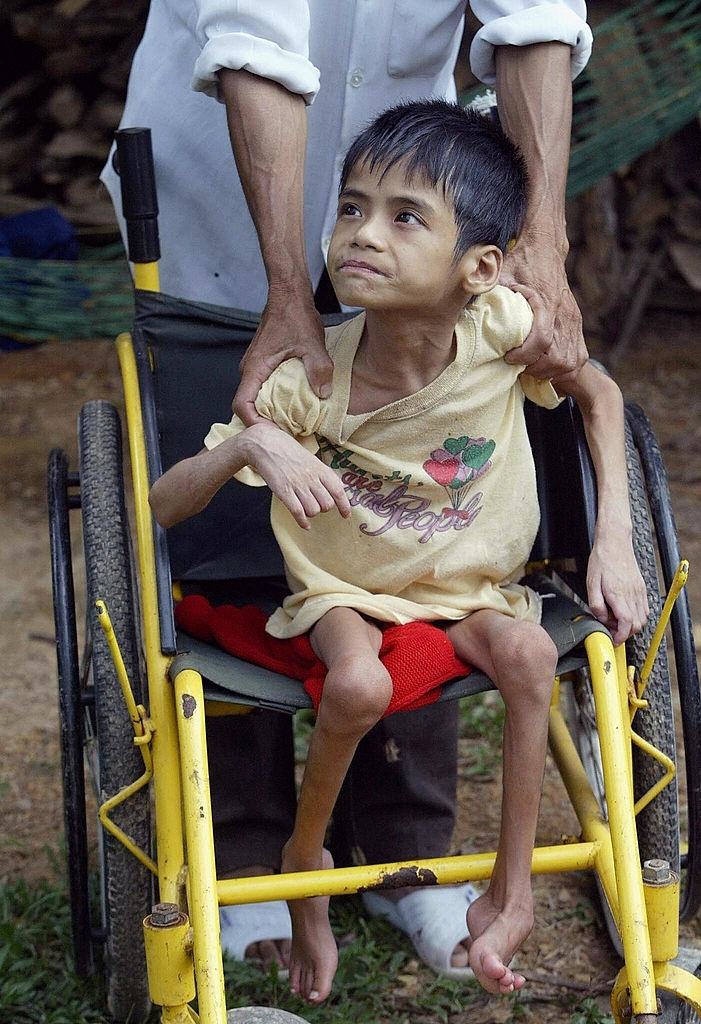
x: 71, y: 710
x: 658, y: 823
x: 685, y: 664
x: 685, y: 1014
x: 126, y: 888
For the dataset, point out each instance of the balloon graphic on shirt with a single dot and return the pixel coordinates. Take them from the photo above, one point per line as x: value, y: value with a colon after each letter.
x: 460, y: 462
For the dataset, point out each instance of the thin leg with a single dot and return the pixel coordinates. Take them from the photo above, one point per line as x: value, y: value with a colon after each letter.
x: 520, y: 658
x: 357, y: 690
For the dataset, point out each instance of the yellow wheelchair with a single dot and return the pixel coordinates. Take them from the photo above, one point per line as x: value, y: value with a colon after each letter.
x: 134, y: 705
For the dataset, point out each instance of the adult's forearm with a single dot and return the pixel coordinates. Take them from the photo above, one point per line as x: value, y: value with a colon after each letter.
x: 534, y: 94
x: 268, y: 129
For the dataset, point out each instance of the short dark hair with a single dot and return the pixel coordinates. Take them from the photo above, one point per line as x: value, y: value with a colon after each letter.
x: 466, y: 153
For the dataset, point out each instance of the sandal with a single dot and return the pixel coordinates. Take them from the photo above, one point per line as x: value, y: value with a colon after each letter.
x: 433, y: 918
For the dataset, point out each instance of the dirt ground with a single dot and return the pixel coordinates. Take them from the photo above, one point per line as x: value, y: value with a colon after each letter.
x: 42, y: 391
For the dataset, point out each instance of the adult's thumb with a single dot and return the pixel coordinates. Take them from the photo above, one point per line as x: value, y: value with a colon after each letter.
x: 244, y: 403
x: 319, y: 370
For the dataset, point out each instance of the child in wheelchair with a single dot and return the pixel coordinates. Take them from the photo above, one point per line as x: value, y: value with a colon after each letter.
x: 410, y: 493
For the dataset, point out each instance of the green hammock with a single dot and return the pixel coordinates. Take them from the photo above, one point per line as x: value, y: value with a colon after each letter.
x: 52, y: 300
x: 641, y: 85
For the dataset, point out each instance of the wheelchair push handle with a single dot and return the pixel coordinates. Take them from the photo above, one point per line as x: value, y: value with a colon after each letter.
x: 133, y: 162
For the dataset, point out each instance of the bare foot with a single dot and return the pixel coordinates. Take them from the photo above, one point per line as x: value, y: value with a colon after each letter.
x: 313, y: 956
x: 496, y: 934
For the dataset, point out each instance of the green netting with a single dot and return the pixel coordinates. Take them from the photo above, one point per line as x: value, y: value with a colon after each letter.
x: 48, y: 300
x: 641, y: 85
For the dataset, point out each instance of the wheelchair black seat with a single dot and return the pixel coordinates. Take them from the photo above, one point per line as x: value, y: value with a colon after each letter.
x: 231, y: 680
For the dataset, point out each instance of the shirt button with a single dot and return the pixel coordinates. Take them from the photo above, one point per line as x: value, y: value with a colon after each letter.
x: 356, y: 78
x: 326, y: 242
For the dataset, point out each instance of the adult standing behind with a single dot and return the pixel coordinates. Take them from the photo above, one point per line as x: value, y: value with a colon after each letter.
x: 253, y: 233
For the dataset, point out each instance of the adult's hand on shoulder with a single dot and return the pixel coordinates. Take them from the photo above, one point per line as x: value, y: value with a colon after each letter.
x: 555, y: 345
x: 287, y: 329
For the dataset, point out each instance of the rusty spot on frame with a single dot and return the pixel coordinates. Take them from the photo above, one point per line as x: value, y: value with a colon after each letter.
x: 189, y: 705
x: 413, y: 875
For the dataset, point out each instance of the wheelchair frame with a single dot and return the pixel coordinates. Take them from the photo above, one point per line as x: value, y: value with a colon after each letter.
x: 182, y: 949
x: 646, y: 914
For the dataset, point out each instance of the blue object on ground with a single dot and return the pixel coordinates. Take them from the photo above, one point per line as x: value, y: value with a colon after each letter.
x: 43, y: 234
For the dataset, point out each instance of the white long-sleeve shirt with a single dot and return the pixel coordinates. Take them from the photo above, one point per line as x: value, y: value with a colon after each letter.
x: 349, y: 59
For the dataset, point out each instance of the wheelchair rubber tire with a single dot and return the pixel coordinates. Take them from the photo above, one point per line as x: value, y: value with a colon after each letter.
x: 658, y: 824
x: 684, y: 1014
x: 126, y: 885
x: 70, y: 712
x: 683, y: 647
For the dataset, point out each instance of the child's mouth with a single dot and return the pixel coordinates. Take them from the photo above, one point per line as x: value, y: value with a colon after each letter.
x: 357, y: 266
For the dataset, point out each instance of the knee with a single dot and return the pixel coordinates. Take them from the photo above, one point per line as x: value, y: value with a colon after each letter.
x: 526, y: 663
x: 356, y: 694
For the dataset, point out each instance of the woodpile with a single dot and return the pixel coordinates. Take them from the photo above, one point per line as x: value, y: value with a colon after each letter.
x: 635, y: 240
x: 62, y: 90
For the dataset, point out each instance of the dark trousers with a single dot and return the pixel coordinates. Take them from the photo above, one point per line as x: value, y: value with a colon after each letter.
x: 397, y: 803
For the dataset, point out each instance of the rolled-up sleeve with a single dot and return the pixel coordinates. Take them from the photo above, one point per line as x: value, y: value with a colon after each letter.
x: 269, y: 38
x: 524, y: 22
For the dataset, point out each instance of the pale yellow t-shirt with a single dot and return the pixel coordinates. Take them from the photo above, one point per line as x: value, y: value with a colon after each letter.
x: 441, y: 483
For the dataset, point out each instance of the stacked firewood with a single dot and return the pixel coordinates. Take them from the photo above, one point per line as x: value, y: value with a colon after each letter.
x: 62, y: 90
x: 635, y: 239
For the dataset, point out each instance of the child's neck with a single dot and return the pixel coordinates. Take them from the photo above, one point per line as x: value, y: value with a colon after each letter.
x: 399, y: 355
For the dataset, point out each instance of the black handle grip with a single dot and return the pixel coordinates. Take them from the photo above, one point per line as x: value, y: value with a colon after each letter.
x: 133, y: 162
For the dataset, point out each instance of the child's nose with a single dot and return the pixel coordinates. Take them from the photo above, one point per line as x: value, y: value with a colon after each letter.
x: 369, y: 234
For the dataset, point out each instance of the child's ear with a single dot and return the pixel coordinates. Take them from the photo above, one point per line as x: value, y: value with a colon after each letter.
x: 481, y: 266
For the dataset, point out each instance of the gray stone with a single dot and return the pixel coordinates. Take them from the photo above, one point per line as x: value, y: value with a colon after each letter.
x: 262, y: 1015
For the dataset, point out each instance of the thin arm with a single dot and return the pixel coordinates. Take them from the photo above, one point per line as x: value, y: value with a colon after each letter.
x: 189, y: 486
x: 615, y: 586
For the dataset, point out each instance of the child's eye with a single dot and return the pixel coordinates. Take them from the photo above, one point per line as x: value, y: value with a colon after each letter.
x: 348, y: 210
x: 407, y: 217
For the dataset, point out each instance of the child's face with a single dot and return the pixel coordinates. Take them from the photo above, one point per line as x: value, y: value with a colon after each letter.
x: 393, y: 244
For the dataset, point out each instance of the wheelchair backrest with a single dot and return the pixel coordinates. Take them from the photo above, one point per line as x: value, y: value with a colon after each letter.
x: 188, y: 358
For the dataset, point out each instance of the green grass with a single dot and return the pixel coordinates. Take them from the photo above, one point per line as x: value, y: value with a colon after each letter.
x: 481, y: 725
x: 37, y: 983
x: 379, y: 980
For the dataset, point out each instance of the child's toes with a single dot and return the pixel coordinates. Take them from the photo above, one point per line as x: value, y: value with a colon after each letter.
x: 321, y: 985
x: 495, y: 969
x: 307, y: 983
x: 295, y: 979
